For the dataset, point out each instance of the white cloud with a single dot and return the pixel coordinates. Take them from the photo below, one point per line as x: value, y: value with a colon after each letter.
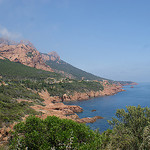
x: 7, y: 34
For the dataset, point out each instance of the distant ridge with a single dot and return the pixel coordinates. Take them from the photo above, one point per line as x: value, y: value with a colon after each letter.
x: 53, y: 60
x: 25, y: 53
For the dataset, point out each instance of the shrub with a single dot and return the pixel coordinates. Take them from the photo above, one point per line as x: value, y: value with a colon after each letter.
x: 129, y: 129
x: 54, y: 133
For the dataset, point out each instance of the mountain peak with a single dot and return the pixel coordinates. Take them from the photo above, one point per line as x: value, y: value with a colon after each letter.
x: 24, y: 54
x: 54, y: 56
x: 6, y: 41
x: 26, y: 42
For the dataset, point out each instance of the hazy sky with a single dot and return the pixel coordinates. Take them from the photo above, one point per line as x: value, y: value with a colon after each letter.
x: 110, y: 38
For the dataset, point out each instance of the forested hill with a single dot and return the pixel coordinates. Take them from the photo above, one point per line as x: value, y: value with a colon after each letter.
x: 53, y: 60
x: 18, y: 81
x: 13, y: 70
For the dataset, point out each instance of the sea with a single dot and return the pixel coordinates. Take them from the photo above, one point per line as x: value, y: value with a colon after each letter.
x: 106, y: 106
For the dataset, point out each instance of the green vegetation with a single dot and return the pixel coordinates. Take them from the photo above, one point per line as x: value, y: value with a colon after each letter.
x: 63, y: 87
x: 73, y: 71
x: 10, y: 109
x: 18, y: 91
x: 131, y: 127
x: 131, y: 131
x: 19, y: 81
x: 39, y: 79
x: 54, y: 133
x: 11, y: 70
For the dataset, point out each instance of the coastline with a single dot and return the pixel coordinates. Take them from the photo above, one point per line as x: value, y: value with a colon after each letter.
x: 54, y: 106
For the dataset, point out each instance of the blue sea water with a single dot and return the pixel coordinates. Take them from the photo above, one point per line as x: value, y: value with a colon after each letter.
x: 106, y: 106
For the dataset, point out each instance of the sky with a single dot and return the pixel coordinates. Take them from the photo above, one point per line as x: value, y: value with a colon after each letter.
x: 109, y: 38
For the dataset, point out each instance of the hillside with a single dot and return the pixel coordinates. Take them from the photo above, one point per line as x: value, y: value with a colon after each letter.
x: 13, y: 70
x: 53, y: 60
x: 18, y: 81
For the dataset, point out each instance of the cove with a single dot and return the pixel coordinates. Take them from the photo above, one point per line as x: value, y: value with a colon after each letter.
x: 106, y: 106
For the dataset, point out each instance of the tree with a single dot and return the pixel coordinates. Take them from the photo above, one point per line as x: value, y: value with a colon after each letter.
x: 129, y: 128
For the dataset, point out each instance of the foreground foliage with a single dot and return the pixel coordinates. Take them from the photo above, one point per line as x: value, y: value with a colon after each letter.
x: 54, y: 133
x: 131, y: 130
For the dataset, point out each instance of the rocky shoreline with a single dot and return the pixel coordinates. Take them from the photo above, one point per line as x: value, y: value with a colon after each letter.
x: 54, y: 106
x: 108, y: 90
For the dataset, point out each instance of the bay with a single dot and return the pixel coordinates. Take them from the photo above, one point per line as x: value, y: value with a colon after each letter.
x: 106, y: 106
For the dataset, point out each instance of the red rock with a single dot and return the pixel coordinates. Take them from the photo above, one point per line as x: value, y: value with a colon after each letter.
x: 54, y: 56
x: 89, y: 120
x: 24, y: 54
x: 5, y: 138
x: 93, y: 110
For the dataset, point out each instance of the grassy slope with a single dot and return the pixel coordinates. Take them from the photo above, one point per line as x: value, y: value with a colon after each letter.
x: 75, y: 72
x: 12, y: 70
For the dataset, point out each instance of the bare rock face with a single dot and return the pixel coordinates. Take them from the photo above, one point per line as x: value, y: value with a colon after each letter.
x: 51, y: 56
x: 108, y: 90
x: 24, y: 54
x: 89, y: 119
x: 5, y: 134
x: 45, y: 57
x: 2, y: 57
x: 26, y: 42
x: 54, y: 56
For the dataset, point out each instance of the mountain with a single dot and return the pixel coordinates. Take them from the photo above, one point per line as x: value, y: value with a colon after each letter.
x: 53, y: 59
x: 4, y: 41
x: 24, y: 54
x: 30, y: 85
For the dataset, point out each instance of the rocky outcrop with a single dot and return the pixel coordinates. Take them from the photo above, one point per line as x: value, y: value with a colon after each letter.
x: 45, y: 57
x: 108, y: 90
x: 2, y: 57
x: 89, y: 119
x: 93, y: 110
x: 53, y: 56
x: 5, y: 134
x: 58, y: 109
x: 26, y: 42
x: 24, y: 54
x: 61, y: 110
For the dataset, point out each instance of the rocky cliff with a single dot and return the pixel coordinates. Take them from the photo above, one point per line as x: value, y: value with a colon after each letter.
x: 108, y: 90
x: 61, y: 110
x: 53, y: 56
x: 24, y: 54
